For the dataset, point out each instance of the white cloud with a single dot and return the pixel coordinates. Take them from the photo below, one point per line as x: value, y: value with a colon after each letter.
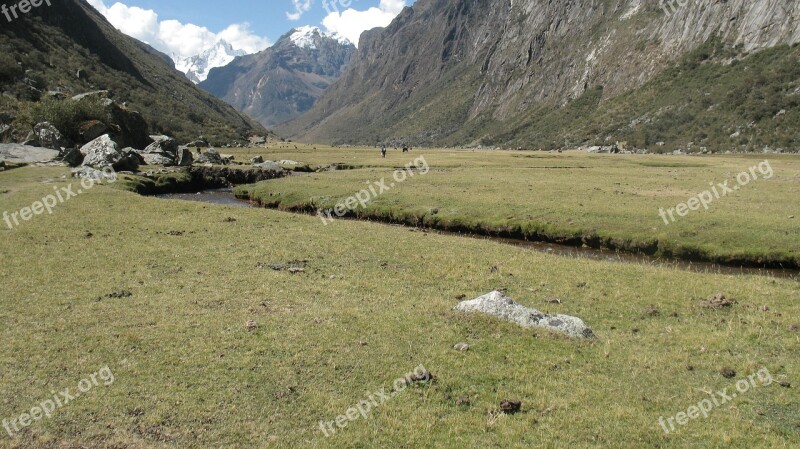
x: 173, y: 37
x: 350, y: 23
x: 300, y: 7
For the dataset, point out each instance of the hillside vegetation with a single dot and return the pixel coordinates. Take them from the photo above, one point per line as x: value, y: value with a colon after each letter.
x: 69, y: 48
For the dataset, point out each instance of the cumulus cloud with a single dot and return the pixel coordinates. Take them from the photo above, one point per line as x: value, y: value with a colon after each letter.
x: 350, y: 23
x: 173, y: 37
x: 300, y: 8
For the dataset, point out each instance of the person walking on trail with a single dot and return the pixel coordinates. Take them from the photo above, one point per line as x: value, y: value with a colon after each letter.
x: 383, y: 151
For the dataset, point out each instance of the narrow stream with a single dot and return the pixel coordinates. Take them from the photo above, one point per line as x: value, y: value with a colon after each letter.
x: 226, y: 197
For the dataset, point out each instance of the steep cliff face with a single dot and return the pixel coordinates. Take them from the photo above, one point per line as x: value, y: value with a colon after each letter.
x: 283, y: 81
x: 464, y: 71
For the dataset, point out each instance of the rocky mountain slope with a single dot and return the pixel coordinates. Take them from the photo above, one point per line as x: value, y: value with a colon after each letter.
x: 284, y: 80
x: 197, y: 67
x: 68, y: 48
x: 550, y: 74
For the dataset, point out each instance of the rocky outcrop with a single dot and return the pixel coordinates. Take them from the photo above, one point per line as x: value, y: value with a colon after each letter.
x: 284, y: 80
x: 49, y: 137
x: 16, y: 153
x: 210, y: 156
x: 91, y: 130
x: 103, y: 152
x: 499, y: 305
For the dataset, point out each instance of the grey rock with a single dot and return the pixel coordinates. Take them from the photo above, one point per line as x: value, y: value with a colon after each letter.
x: 91, y: 130
x: 461, y: 347
x: 184, y: 157
x: 102, y: 153
x: 92, y: 94
x: 257, y: 160
x: 12, y: 152
x: 163, y: 145
x: 269, y: 166
x: 211, y: 156
x: 157, y: 159
x: 71, y: 156
x: 499, y: 305
x: 49, y: 136
x: 31, y: 140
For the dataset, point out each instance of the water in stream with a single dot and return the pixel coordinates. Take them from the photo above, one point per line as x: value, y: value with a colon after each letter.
x: 226, y: 197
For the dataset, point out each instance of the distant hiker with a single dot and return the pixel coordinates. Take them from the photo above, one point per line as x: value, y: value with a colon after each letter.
x: 383, y: 151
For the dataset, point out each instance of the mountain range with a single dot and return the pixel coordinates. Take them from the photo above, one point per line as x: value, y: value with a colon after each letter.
x: 552, y: 74
x: 69, y: 48
x: 197, y: 67
x: 283, y: 81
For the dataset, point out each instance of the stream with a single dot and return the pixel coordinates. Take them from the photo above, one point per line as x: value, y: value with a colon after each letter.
x: 225, y: 197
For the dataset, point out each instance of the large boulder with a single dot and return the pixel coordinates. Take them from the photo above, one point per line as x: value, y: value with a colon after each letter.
x: 184, y: 157
x: 211, y: 156
x: 501, y: 306
x: 103, y: 152
x: 130, y: 128
x: 269, y: 166
x: 49, y: 136
x: 157, y: 159
x: 163, y: 145
x: 12, y: 152
x: 71, y: 156
x: 91, y: 130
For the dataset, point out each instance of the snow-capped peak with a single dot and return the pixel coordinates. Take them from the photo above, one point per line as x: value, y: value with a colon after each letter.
x: 303, y: 37
x: 197, y: 67
x: 306, y: 37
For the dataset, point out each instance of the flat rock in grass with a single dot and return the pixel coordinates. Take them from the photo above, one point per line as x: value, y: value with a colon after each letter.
x: 501, y: 306
x: 12, y: 152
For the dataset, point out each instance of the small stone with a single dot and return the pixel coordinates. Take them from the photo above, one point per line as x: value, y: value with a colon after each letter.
x: 461, y: 347
x: 295, y: 270
x: 791, y: 217
x: 229, y: 220
x: 689, y: 368
x: 251, y: 325
x: 553, y: 300
x: 510, y: 406
x: 728, y: 373
x: 785, y: 384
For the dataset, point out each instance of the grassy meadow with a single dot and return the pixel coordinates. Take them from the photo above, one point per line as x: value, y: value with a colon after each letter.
x: 160, y: 292
x: 598, y: 200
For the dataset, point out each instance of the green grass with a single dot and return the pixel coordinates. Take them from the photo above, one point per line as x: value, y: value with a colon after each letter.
x: 601, y: 200
x: 374, y: 302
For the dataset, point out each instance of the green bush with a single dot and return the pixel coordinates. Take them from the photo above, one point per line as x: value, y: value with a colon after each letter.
x: 65, y: 115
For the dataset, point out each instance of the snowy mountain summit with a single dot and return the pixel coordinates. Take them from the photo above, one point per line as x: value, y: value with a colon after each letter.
x: 309, y: 36
x: 197, y: 67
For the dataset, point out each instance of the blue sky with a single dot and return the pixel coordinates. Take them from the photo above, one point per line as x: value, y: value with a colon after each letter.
x: 185, y: 28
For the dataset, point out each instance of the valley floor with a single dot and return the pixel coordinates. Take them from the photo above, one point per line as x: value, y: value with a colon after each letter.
x: 214, y: 342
